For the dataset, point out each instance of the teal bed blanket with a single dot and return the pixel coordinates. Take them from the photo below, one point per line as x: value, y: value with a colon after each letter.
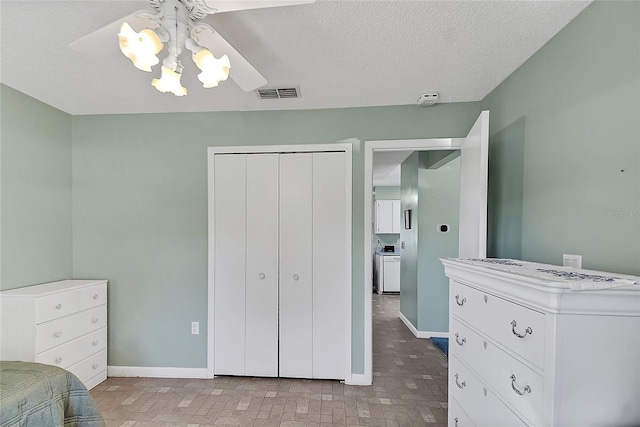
x: 33, y: 394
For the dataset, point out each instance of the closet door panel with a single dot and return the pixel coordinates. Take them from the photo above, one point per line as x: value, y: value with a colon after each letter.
x: 229, y: 263
x: 262, y: 266
x: 296, y: 265
x: 329, y: 265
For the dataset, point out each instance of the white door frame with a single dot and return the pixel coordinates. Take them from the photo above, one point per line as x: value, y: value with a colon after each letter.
x: 211, y: 151
x: 369, y: 148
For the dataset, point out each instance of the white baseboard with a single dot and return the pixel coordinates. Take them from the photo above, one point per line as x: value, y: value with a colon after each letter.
x: 421, y: 334
x: 359, y: 379
x: 153, y: 372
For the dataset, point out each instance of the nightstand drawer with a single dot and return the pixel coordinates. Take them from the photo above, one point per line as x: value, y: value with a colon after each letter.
x: 61, y: 304
x: 59, y: 331
x: 516, y: 327
x: 76, y: 350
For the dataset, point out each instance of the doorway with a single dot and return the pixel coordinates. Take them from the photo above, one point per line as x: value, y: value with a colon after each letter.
x: 473, y: 205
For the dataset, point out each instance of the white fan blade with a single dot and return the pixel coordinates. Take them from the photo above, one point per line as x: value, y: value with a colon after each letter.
x: 243, y: 73
x: 104, y: 41
x: 231, y: 5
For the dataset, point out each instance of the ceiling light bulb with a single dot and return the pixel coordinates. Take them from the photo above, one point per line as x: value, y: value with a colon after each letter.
x: 213, y: 70
x: 141, y: 48
x: 169, y: 82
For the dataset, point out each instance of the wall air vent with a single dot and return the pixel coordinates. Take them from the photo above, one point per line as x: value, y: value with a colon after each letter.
x: 278, y: 92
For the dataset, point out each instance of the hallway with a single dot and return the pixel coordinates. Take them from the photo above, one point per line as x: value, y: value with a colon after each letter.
x: 409, y: 389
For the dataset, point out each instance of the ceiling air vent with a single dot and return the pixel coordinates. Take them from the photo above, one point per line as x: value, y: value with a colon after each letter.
x: 278, y: 93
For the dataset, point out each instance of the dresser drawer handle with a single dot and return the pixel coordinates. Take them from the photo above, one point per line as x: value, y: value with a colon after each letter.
x: 460, y: 385
x: 456, y: 421
x: 460, y: 342
x: 94, y: 320
x: 58, y: 307
x: 95, y: 343
x: 459, y: 301
x: 95, y: 296
x: 57, y: 334
x: 527, y: 389
x: 526, y: 331
x: 95, y: 366
x: 58, y: 360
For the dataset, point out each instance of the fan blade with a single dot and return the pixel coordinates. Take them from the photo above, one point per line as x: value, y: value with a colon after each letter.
x: 105, y: 40
x: 231, y: 5
x: 243, y: 73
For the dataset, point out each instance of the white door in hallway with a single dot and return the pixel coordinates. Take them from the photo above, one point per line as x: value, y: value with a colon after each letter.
x: 474, y: 160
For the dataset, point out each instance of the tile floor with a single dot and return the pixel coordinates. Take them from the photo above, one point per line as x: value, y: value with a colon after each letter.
x: 409, y: 389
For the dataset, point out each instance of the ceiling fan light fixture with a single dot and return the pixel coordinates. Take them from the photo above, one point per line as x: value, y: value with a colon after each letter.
x: 214, y: 70
x: 141, y: 48
x: 169, y: 82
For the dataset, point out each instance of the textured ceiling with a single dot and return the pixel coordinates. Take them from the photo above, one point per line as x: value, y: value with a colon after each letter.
x: 340, y: 53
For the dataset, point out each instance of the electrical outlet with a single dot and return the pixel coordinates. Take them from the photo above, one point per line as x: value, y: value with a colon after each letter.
x: 574, y: 261
x: 195, y: 328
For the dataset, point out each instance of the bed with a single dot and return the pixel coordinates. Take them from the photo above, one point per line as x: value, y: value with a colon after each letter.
x: 33, y: 394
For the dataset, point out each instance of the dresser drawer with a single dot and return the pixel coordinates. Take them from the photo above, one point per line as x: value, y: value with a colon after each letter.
x: 90, y: 367
x: 496, y: 368
x: 457, y: 416
x: 59, y: 331
x: 516, y: 327
x: 478, y: 401
x: 75, y: 350
x: 62, y: 304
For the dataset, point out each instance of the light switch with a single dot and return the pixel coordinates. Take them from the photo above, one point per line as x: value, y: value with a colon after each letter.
x: 195, y: 328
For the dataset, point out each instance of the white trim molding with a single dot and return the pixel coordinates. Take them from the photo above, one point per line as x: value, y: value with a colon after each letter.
x: 359, y: 379
x: 155, y: 372
x: 421, y: 334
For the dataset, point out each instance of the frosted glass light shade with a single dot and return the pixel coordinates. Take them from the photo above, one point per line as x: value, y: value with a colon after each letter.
x: 213, y: 70
x: 169, y: 82
x: 141, y: 48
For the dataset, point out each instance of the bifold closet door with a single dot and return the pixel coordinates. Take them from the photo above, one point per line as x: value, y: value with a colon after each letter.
x: 261, y: 358
x: 229, y: 263
x: 246, y: 264
x: 329, y: 265
x: 296, y: 293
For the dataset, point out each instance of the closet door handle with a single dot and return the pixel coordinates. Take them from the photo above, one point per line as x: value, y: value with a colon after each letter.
x: 261, y: 276
x: 296, y: 277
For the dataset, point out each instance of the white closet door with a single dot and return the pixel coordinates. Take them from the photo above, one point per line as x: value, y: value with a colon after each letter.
x: 329, y: 265
x: 262, y: 266
x: 229, y: 263
x: 296, y: 265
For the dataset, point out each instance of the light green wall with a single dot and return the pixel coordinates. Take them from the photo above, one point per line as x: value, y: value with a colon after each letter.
x: 433, y: 195
x: 140, y: 210
x: 409, y: 254
x: 439, y: 203
x: 35, y: 183
x: 570, y: 117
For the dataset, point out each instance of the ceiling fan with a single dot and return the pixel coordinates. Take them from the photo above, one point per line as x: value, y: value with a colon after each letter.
x: 176, y: 25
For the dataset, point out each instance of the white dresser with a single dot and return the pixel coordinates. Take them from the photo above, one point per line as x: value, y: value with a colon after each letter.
x: 526, y: 349
x: 60, y: 323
